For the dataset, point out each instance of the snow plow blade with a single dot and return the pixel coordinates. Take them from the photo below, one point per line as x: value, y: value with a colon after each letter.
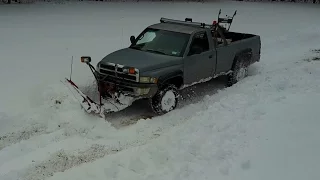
x: 85, y: 101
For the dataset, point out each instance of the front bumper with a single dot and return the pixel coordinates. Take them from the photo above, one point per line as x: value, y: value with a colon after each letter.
x: 110, y: 84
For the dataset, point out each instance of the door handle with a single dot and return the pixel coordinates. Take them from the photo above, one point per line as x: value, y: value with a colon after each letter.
x: 210, y: 56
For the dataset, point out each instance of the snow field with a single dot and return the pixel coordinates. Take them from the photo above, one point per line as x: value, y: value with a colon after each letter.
x: 258, y: 129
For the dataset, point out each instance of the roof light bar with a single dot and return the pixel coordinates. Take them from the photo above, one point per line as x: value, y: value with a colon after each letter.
x: 187, y: 22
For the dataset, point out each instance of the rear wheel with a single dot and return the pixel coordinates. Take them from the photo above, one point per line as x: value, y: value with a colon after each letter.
x: 165, y: 100
x: 239, y: 71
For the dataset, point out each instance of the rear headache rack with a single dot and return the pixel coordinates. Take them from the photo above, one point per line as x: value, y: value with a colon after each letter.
x: 188, y: 21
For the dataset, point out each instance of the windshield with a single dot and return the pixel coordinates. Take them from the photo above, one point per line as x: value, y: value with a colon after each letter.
x: 162, y: 42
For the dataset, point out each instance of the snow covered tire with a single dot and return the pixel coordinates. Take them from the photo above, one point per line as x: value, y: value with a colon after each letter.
x: 165, y: 100
x: 239, y: 71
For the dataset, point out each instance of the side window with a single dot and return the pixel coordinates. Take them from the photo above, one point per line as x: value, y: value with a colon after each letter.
x: 199, y: 44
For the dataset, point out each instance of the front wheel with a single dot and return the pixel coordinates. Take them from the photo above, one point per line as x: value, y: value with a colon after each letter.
x: 165, y: 100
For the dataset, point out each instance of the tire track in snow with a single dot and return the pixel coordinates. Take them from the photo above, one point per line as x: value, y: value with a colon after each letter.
x: 39, y: 146
x: 24, y: 134
x: 32, y: 126
x: 62, y: 160
x: 31, y: 131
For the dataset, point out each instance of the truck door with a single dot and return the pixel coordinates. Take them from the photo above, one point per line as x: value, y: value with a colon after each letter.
x: 200, y: 60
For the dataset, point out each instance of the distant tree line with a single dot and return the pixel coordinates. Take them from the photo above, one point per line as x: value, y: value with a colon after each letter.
x: 23, y: 1
x: 297, y: 1
x: 300, y: 1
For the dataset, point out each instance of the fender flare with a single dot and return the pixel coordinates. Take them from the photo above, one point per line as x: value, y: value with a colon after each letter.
x: 163, y: 80
x: 245, y: 53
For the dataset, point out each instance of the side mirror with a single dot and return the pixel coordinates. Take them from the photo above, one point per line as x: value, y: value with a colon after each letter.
x: 85, y: 59
x: 132, y: 39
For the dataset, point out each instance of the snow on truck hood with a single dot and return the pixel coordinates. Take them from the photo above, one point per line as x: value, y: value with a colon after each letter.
x: 144, y: 61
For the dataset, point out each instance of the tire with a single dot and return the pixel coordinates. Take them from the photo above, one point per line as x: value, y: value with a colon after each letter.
x: 239, y: 71
x: 6, y: 1
x: 165, y: 100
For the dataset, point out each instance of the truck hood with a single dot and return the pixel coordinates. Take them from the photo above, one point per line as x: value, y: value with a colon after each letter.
x: 144, y: 61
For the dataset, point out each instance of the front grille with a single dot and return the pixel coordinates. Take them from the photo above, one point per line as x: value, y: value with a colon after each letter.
x: 116, y: 71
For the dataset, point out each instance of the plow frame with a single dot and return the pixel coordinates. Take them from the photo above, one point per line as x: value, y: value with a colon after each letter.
x: 89, y: 105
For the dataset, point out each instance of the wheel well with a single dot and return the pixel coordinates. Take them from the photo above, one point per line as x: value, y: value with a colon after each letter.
x: 177, y: 81
x: 246, y: 54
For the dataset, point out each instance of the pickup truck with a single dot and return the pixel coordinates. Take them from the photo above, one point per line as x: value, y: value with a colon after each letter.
x: 173, y: 54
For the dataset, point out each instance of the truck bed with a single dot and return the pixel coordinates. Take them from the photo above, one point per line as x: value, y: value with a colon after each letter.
x: 234, y: 36
x: 236, y: 42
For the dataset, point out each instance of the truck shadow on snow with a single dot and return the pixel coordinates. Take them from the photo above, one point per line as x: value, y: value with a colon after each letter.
x: 140, y: 109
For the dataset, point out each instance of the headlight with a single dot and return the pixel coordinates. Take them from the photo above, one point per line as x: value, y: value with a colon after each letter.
x: 148, y: 80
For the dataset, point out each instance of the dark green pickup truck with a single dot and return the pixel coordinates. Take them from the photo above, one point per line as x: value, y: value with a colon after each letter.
x: 171, y: 55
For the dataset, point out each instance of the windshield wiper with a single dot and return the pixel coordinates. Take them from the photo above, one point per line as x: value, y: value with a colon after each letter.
x: 135, y: 47
x: 155, y: 51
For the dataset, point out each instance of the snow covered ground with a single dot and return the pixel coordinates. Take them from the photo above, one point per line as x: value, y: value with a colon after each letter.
x: 265, y: 127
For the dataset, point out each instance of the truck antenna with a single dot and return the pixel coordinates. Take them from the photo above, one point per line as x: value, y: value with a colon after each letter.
x: 71, y: 67
x: 122, y: 17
